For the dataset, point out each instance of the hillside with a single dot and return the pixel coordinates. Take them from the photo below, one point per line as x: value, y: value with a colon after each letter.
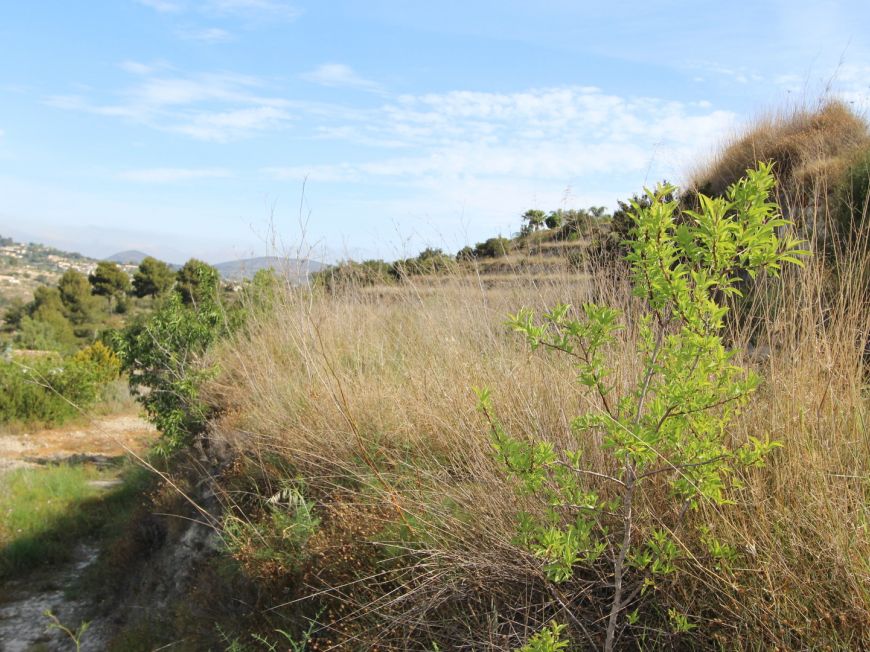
x: 131, y: 257
x: 24, y: 267
x: 237, y: 270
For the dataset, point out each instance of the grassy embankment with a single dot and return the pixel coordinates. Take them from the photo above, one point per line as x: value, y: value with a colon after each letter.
x: 47, y: 511
x: 361, y: 400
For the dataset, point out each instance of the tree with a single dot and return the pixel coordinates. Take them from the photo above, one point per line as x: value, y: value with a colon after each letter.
x: 153, y: 278
x: 493, y: 248
x: 554, y: 219
x: 75, y: 295
x: 109, y: 280
x: 667, y: 429
x: 197, y: 282
x: 15, y: 312
x: 534, y: 219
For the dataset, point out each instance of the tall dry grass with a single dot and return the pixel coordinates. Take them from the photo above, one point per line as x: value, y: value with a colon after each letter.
x: 367, y: 395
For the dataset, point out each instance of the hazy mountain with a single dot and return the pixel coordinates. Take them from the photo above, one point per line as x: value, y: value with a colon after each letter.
x: 236, y: 270
x: 129, y: 257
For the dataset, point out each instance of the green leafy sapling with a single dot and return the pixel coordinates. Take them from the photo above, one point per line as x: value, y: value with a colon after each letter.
x: 670, y: 423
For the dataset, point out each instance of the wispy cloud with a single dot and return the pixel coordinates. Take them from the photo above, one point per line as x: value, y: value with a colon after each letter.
x: 172, y: 175
x: 730, y: 74
x: 491, y: 152
x: 262, y: 8
x: 212, y: 107
x: 206, y: 35
x: 244, y: 9
x: 339, y: 75
x: 162, y: 6
x: 137, y: 67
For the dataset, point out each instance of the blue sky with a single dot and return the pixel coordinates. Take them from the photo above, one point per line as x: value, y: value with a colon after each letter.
x: 187, y: 127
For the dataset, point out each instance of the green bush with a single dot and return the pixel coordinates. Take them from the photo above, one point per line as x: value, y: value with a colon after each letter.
x: 666, y: 429
x: 162, y: 355
x: 355, y: 274
x: 852, y: 198
x: 493, y: 248
x: 49, y: 390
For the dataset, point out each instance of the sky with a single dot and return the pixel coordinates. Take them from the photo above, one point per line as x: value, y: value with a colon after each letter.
x: 224, y: 129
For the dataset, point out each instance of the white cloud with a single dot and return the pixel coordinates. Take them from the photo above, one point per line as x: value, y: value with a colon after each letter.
x: 206, y: 35
x: 221, y: 126
x: 214, y: 107
x: 244, y: 9
x: 339, y: 75
x: 162, y: 6
x: 552, y: 133
x: 485, y: 157
x: 172, y: 175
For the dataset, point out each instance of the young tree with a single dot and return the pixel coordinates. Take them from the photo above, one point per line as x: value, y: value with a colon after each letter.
x: 197, y: 282
x: 153, y: 278
x: 109, y: 280
x: 75, y: 294
x: 534, y: 219
x: 667, y: 428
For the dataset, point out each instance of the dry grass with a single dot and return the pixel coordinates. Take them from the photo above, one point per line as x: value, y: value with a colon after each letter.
x: 812, y: 149
x: 365, y: 396
x: 368, y: 395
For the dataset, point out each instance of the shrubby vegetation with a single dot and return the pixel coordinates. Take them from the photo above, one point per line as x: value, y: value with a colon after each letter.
x: 49, y: 390
x: 692, y: 481
x: 665, y: 428
x: 66, y: 326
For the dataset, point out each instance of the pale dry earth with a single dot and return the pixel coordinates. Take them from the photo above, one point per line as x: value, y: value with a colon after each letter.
x: 102, y: 437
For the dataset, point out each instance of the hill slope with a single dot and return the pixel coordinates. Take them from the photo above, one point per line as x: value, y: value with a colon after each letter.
x: 129, y: 257
x: 236, y: 270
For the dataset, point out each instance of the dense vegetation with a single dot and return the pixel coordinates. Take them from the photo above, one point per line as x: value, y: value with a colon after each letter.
x: 682, y: 463
x: 710, y: 494
x: 58, y: 361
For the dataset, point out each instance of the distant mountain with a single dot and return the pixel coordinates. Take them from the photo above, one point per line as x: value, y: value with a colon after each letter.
x: 237, y: 270
x: 129, y: 257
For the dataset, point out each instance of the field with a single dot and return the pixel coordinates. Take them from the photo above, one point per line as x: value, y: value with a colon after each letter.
x: 645, y: 431
x: 378, y: 423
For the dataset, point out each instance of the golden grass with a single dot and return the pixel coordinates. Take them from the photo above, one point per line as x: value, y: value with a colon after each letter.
x: 812, y: 149
x: 371, y: 389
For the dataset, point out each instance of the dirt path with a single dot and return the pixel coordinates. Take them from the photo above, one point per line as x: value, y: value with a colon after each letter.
x: 106, y: 436
x: 23, y: 625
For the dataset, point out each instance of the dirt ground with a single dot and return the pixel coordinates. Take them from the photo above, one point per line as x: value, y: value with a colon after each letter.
x: 102, y: 436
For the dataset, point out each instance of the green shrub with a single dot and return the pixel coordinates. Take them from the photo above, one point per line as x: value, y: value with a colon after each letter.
x: 162, y: 354
x: 353, y: 274
x: 667, y: 429
x: 493, y: 248
x: 49, y: 390
x: 280, y: 536
x: 852, y: 196
x: 197, y: 283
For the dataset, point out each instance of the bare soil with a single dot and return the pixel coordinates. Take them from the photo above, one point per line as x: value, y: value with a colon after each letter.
x: 102, y: 437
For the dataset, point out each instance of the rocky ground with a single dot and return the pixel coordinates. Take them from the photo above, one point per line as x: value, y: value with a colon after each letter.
x: 23, y: 603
